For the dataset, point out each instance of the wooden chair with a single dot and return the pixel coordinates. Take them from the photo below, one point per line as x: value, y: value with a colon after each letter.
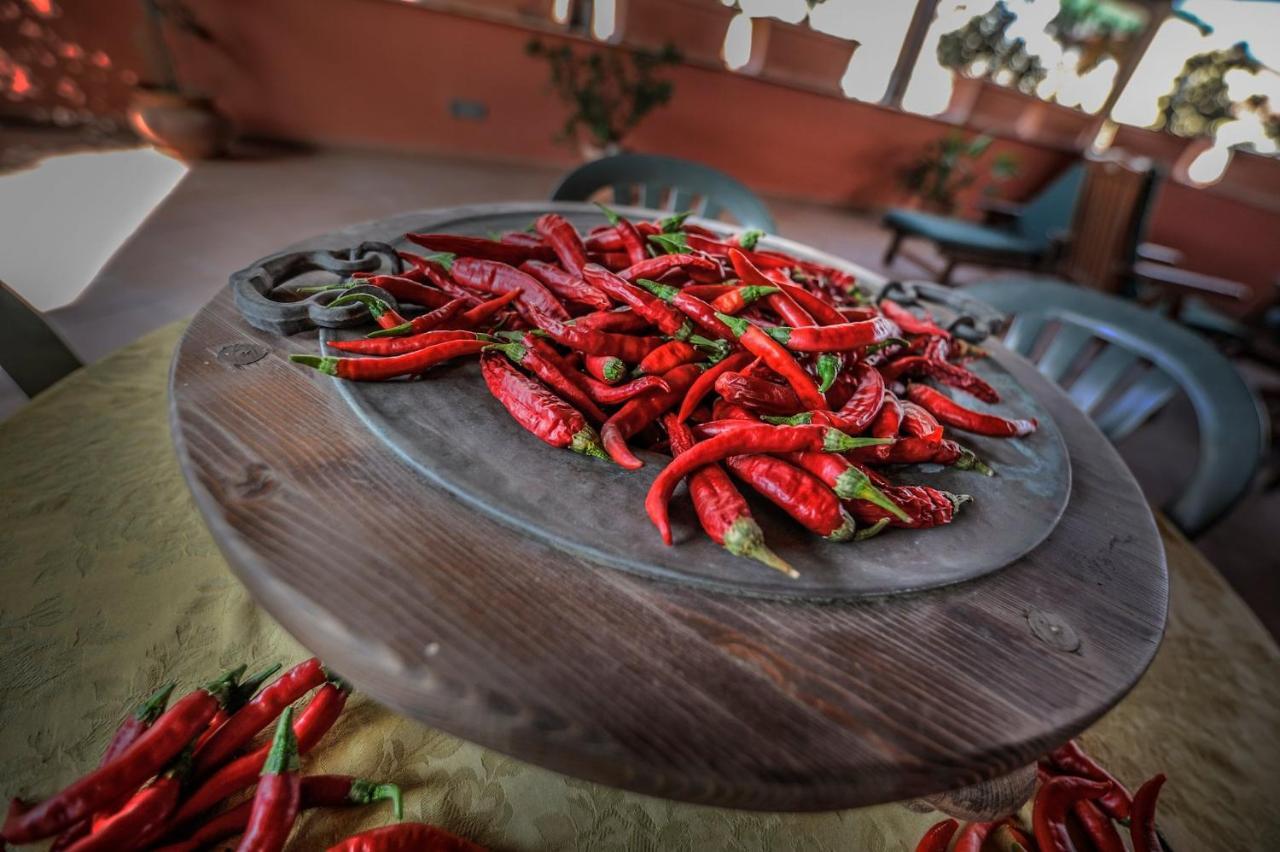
x: 1110, y: 219
x: 666, y: 183
x: 30, y: 351
x: 1121, y: 363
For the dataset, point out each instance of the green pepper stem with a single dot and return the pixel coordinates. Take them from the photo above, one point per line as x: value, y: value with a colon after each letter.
x: 150, y: 710
x: 395, y: 331
x: 443, y: 258
x: 514, y: 351
x: 222, y: 687
x: 367, y: 792
x: 283, y: 756
x: 587, y: 442
x: 745, y: 538
x: 853, y: 484
x: 737, y: 325
x: 326, y: 364
x: 665, y: 292
x: 609, y: 214
x: 871, y: 531
x: 835, y: 441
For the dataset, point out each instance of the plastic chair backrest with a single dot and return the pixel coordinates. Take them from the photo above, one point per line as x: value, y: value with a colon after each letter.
x: 666, y: 183
x: 30, y: 351
x: 1049, y: 214
x: 1121, y: 363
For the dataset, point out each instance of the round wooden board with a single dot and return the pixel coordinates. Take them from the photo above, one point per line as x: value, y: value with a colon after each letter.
x: 668, y: 689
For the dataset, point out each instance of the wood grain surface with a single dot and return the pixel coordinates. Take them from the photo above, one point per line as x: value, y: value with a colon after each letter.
x: 452, y: 618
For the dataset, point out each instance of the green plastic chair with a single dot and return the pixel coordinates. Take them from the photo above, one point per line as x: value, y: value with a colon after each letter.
x: 665, y: 183
x: 1030, y: 242
x: 1122, y: 363
x: 31, y: 352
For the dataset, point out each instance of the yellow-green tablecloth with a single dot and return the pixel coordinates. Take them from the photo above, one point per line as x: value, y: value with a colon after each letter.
x: 110, y: 585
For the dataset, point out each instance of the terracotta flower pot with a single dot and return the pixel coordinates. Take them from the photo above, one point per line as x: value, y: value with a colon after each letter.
x: 185, y: 126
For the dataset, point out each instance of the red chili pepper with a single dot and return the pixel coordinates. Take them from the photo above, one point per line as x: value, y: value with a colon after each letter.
x: 316, y: 719
x: 407, y: 837
x: 737, y: 299
x: 668, y: 321
x: 885, y: 425
x: 833, y: 338
x: 606, y: 368
x: 758, y: 394
x: 279, y: 796
x: 435, y: 272
x: 924, y: 507
x: 917, y: 422
x: 403, y: 288
x: 973, y: 836
x: 798, y: 493
x: 694, y: 308
x: 749, y: 438
x: 619, y: 394
x: 817, y: 307
x: 655, y: 267
x: 482, y: 249
x: 527, y: 356
x: 865, y: 404
x: 705, y: 382
x: 667, y: 357
x: 628, y: 237
x: 1098, y: 826
x: 378, y: 369
x: 604, y: 238
x: 400, y: 345
x: 777, y: 359
x: 938, y: 837
x: 257, y: 714
x: 542, y: 413
x: 1054, y: 799
x: 383, y: 314
x: 422, y: 323
x: 126, y: 772
x: 1073, y: 759
x: 849, y: 482
x: 945, y: 372
x: 708, y: 292
x: 779, y: 301
x: 522, y: 238
x: 1010, y: 838
x: 953, y: 414
x: 567, y: 286
x: 621, y: 321
x: 909, y: 322
x: 721, y: 509
x: 498, y: 278
x: 1142, y: 826
x: 483, y: 312
x: 640, y: 412
x: 590, y: 342
x: 141, y: 819
x: 556, y: 231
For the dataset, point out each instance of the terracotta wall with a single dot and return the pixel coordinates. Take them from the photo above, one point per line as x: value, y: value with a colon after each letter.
x: 378, y: 73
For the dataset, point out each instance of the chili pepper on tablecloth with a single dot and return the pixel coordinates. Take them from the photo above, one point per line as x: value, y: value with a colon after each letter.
x: 924, y: 506
x: 543, y: 414
x: 655, y: 267
x: 691, y: 306
x: 1101, y: 830
x: 1053, y: 801
x: 957, y: 416
x: 917, y: 422
x: 1073, y: 759
x: 1142, y: 824
x: 278, y: 799
x: 567, y: 286
x: 640, y: 412
x: 382, y: 313
x: 143, y: 816
x: 124, y: 773
x: 400, y: 345
x: 316, y: 719
x: 498, y: 278
x: 563, y: 238
x: 973, y: 835
x: 257, y: 714
x: 669, y: 321
x: 404, y: 289
x: 620, y: 321
x: 721, y: 509
x: 407, y: 837
x: 482, y: 249
x: 666, y: 357
x: 739, y: 298
x: 527, y: 355
x: 591, y: 342
x: 705, y: 382
x: 742, y: 438
x: 849, y: 482
x: 757, y: 394
x: 938, y: 837
x: 606, y: 368
x: 378, y: 369
x: 777, y: 359
x: 945, y: 372
x: 909, y: 322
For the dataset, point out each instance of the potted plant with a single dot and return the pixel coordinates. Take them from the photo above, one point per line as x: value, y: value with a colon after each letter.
x: 608, y: 91
x: 172, y: 119
x: 948, y: 166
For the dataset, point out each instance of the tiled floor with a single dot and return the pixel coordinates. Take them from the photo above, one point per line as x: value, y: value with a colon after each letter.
x: 225, y: 214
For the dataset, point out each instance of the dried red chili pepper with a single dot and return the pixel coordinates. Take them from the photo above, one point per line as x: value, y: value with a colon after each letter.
x: 485, y: 311
x: 407, y: 837
x: 781, y: 303
x: 777, y: 359
x: 737, y: 299
x: 821, y: 310
x: 526, y: 354
x: 124, y: 773
x: 945, y: 372
x: 1053, y: 801
x: 606, y: 368
x: 404, y: 289
x: 619, y: 394
x: 655, y: 267
x: 425, y: 322
x: 721, y: 509
x: 279, y: 796
x: 567, y: 286
x: 667, y: 357
x: 707, y: 292
x: 498, y: 278
x: 849, y: 482
x: 1142, y: 824
x: 668, y: 321
x: 973, y: 836
x: 522, y: 238
x: 433, y: 270
x: 257, y: 714
x: 797, y: 492
x: 316, y: 719
x: 757, y: 394
x: 1102, y: 832
x: 917, y: 422
x: 747, y: 439
x: 383, y: 314
x: 691, y: 306
x: 938, y: 837
x: 909, y: 322
x: 482, y: 249
x: 379, y: 369
x: 705, y: 382
x: 1073, y: 759
x: 640, y: 412
x: 563, y: 238
x: 621, y: 321
x: 542, y: 413
x: 833, y: 338
x: 924, y: 506
x: 400, y: 345
x: 591, y: 342
x: 953, y: 414
x: 628, y: 237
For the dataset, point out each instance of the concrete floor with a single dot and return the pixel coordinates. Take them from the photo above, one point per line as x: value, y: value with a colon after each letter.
x: 225, y: 214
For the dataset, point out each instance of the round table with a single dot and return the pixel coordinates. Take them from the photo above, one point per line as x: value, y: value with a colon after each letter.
x: 112, y: 585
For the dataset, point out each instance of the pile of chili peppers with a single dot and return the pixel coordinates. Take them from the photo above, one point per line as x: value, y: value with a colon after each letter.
x: 168, y: 776
x: 665, y: 335
x: 1076, y: 808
